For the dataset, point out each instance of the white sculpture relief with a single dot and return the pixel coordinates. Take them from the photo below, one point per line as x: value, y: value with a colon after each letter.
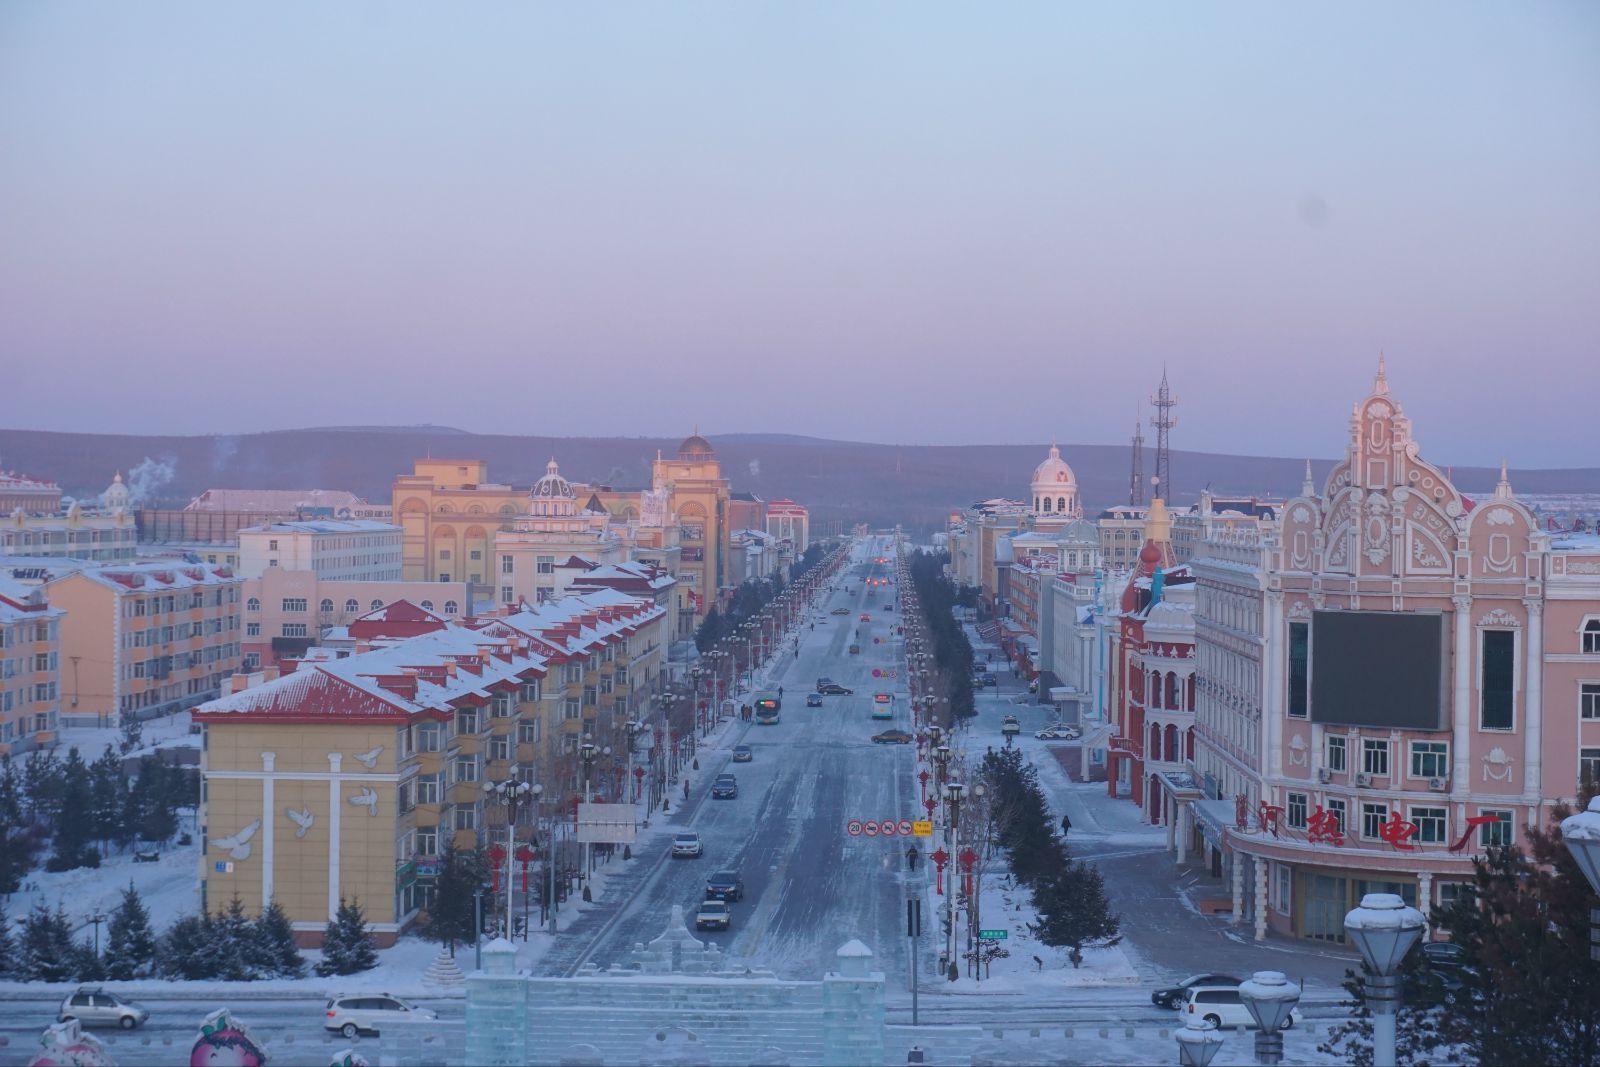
x: 302, y: 820
x: 238, y: 846
x: 1297, y: 751
x: 369, y: 759
x: 1301, y: 513
x: 1499, y: 617
x: 1497, y: 766
x: 1422, y: 556
x: 1499, y: 558
x: 1500, y: 517
x: 1376, y: 528
x: 366, y: 799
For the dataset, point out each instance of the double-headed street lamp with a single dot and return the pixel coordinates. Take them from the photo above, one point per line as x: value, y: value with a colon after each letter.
x: 953, y: 794
x: 509, y: 794
x: 589, y: 752
x: 1384, y: 928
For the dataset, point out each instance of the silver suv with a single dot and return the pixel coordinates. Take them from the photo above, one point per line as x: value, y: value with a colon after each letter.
x: 93, y: 1006
x: 370, y: 1014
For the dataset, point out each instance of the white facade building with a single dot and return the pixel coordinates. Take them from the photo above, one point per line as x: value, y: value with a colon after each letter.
x: 358, y: 550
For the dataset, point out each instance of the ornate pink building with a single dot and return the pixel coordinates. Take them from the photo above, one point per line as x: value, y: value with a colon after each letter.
x: 1428, y: 680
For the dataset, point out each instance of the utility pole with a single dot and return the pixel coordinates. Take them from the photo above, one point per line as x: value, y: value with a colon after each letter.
x: 1163, y: 422
x: 1136, y: 479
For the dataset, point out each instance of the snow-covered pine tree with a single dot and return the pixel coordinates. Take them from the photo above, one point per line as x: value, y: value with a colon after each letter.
x: 234, y: 939
x: 1074, y: 912
x: 72, y: 826
x: 86, y: 964
x: 276, y: 954
x: 46, y: 950
x: 8, y: 947
x: 131, y: 948
x: 346, y: 944
x: 132, y: 731
x: 105, y: 799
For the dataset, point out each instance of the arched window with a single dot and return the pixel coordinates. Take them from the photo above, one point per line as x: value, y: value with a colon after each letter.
x: 352, y: 605
x: 376, y: 604
x: 1591, y: 637
x: 1061, y: 503
x: 449, y: 607
x: 326, y: 607
x: 1172, y: 690
x: 1172, y: 744
x: 1189, y: 743
x: 252, y: 604
x: 1047, y: 504
x: 427, y: 605
x: 1154, y: 749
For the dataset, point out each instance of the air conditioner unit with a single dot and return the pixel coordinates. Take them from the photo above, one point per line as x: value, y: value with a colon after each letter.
x: 1324, y: 775
x: 1364, y: 780
x: 1439, y: 785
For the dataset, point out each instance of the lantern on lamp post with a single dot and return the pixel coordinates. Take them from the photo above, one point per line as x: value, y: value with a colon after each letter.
x: 1384, y: 928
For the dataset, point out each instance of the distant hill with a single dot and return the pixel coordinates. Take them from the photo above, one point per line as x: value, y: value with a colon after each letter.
x: 841, y: 482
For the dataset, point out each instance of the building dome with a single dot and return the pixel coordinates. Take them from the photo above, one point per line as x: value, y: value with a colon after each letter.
x: 116, y: 494
x: 552, y: 486
x: 695, y: 445
x: 1054, y: 488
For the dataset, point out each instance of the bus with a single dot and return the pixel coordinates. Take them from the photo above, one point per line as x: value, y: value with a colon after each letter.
x: 883, y: 705
x: 768, y: 704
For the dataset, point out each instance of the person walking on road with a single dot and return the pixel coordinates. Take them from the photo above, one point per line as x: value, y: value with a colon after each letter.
x: 1066, y: 824
x: 686, y: 789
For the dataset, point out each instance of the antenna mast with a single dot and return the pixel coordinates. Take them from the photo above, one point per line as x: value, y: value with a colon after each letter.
x: 1163, y: 422
x: 1136, y: 478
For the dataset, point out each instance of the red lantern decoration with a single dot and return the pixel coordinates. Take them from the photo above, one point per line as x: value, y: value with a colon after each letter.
x: 525, y: 855
x: 497, y: 856
x: 939, y: 858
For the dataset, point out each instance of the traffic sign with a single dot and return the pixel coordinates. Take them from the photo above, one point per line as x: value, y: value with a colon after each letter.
x: 994, y: 935
x: 904, y: 827
x: 922, y: 828
x: 876, y: 673
x: 854, y: 827
x: 871, y: 828
x: 888, y: 827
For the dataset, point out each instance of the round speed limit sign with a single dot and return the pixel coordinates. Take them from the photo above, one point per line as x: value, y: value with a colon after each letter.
x: 854, y: 827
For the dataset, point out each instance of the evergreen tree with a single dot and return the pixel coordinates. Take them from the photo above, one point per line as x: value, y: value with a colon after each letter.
x: 1073, y: 911
x: 131, y: 944
x: 156, y: 820
x: 709, y: 632
x: 276, y: 954
x: 72, y: 826
x: 10, y: 793
x: 347, y: 946
x: 184, y: 951
x: 8, y: 947
x: 47, y: 953
x: 105, y: 798
x: 132, y: 731
x: 41, y: 787
x: 450, y: 915
x: 1417, y: 1033
x: 235, y: 942
x: 86, y: 964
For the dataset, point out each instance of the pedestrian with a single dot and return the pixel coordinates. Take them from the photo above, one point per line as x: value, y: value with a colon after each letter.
x: 686, y: 789
x: 1066, y: 825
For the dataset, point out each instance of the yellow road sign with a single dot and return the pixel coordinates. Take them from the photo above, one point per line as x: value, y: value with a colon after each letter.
x: 922, y: 828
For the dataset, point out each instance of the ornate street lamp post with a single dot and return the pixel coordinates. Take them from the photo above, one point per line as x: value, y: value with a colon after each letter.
x: 589, y: 752
x: 1198, y: 1043
x: 1384, y: 929
x: 1581, y: 834
x: 509, y: 794
x: 1270, y: 998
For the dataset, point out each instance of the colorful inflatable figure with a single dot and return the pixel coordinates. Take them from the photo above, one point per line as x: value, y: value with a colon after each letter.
x: 66, y: 1045
x: 224, y: 1042
x: 349, y: 1058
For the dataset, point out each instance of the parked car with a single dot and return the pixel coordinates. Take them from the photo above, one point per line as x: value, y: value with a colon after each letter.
x: 865, y: 617
x: 991, y: 680
x: 834, y: 689
x: 94, y: 1006
x: 840, y: 611
x: 1174, y: 996
x: 855, y: 650
x: 1221, y: 1007
x: 351, y: 1016
x: 1444, y: 955
x: 725, y: 885
x: 725, y: 787
x: 1059, y: 732
x: 813, y: 700
x: 743, y: 754
x: 892, y: 737
x: 713, y: 915
x: 687, y: 844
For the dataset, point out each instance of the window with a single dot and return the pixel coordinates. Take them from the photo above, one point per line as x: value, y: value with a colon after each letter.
x: 1338, y: 753
x: 1375, y: 757
x: 466, y: 819
x: 475, y: 554
x: 467, y: 720
x: 427, y: 605
x: 500, y: 746
x: 466, y: 769
x: 272, y: 546
x: 1589, y: 765
x: 249, y: 605
x: 506, y: 564
x: 444, y: 553
x: 571, y: 709
x: 352, y: 606
x: 326, y: 607
x: 1373, y: 816
x: 252, y: 629
x: 294, y: 629
x: 376, y: 604
x: 450, y: 607
x: 1339, y: 810
x: 1295, y: 811
x: 1430, y: 759
x: 1496, y: 679
x: 506, y: 595
x: 444, y: 576
x: 528, y: 732
x: 1497, y: 834
x: 590, y: 696
x: 427, y: 840
x: 1591, y: 637
x: 294, y: 603
x: 546, y: 564
x: 1285, y: 887
x: 428, y: 737
x: 1299, y: 685
x: 1589, y: 700
x: 500, y: 706
x: 530, y: 690
x: 1430, y: 825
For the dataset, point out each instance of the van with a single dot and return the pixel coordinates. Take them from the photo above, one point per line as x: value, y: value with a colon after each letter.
x: 1221, y: 1007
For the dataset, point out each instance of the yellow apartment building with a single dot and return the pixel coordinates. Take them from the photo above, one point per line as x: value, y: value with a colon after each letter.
x: 30, y: 666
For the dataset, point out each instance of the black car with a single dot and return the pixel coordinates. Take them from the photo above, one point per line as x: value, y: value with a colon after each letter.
x: 813, y: 700
x: 725, y: 885
x: 726, y: 787
x: 1174, y: 996
x: 742, y: 754
x: 834, y: 689
x: 1444, y: 955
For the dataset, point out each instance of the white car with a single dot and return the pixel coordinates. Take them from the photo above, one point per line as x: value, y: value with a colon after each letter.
x: 687, y: 844
x: 1059, y: 732
x: 352, y: 1015
x: 93, y: 1006
x: 1221, y: 1007
x: 713, y: 915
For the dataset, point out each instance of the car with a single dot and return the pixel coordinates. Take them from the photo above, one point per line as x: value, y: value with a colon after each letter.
x: 1221, y: 1007
x: 355, y: 1015
x: 865, y: 617
x: 1174, y: 996
x: 94, y: 1006
x: 855, y: 650
x: 713, y: 915
x: 725, y: 787
x: 1059, y: 732
x: 725, y: 885
x: 743, y: 754
x: 834, y: 689
x: 991, y: 680
x: 840, y: 611
x: 1444, y: 956
x: 687, y: 844
x: 892, y: 737
x: 813, y: 700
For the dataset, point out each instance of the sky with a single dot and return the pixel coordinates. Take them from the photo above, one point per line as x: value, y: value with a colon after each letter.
x: 910, y: 222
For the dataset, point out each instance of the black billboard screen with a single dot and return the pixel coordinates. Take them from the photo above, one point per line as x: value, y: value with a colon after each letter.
x: 1371, y: 668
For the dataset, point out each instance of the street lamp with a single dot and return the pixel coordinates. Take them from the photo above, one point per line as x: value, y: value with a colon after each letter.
x: 1270, y: 998
x: 509, y: 794
x: 537, y: 794
x: 1198, y: 1043
x: 953, y: 792
x: 1581, y: 834
x: 1384, y: 929
x: 589, y: 752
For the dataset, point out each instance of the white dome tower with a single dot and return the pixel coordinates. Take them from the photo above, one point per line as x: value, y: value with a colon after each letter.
x: 116, y: 495
x: 1054, y: 490
x: 552, y: 495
